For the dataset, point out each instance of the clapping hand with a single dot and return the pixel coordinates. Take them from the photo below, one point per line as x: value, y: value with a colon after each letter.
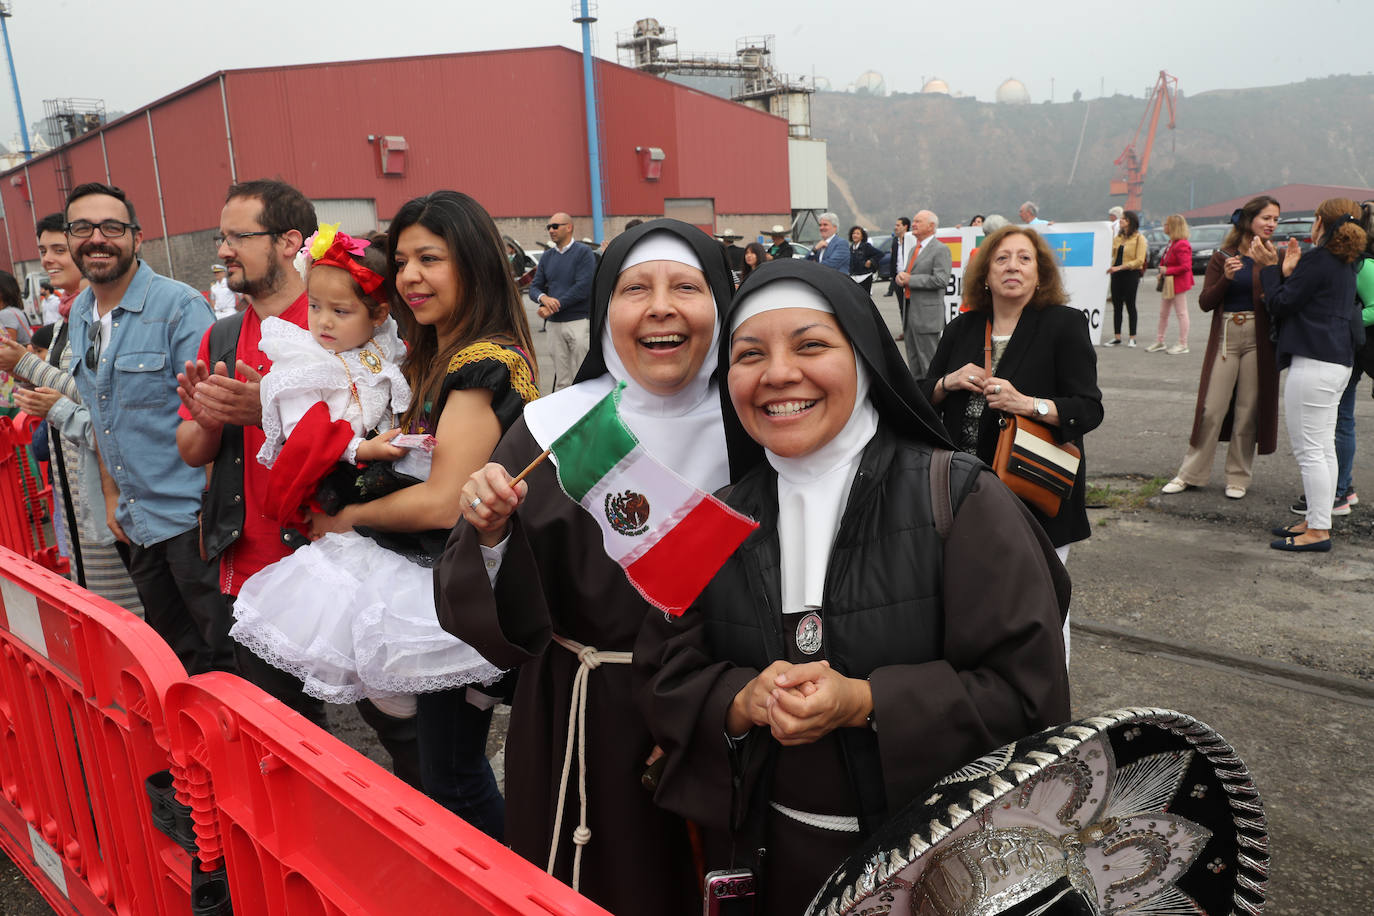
x: 1263, y: 253
x: 37, y: 402
x: 10, y: 353
x: 1291, y: 253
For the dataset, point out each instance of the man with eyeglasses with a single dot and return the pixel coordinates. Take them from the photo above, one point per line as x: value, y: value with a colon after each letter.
x: 563, y: 288
x: 262, y: 226
x: 131, y: 329
x: 77, y: 489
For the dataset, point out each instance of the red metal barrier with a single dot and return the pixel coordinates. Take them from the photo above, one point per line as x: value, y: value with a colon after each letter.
x: 81, y: 725
x: 102, y: 735
x: 24, y: 501
x: 309, y: 827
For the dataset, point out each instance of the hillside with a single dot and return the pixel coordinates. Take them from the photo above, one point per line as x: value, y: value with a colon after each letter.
x: 959, y: 156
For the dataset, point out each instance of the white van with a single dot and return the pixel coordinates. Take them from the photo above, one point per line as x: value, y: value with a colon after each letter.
x: 31, y: 286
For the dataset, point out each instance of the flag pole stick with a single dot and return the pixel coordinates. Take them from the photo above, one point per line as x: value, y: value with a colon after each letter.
x: 539, y: 459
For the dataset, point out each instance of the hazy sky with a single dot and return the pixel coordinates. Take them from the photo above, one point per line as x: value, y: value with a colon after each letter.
x: 130, y: 52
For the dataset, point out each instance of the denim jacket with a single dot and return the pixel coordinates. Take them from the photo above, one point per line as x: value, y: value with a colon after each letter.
x: 132, y: 399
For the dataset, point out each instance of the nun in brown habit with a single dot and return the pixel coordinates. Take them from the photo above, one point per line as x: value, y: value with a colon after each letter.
x: 862, y: 642
x: 526, y: 581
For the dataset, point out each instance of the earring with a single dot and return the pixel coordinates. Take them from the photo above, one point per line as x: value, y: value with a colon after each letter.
x: 985, y: 286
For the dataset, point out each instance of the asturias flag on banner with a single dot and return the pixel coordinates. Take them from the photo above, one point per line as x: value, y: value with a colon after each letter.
x: 669, y: 537
x: 1073, y: 249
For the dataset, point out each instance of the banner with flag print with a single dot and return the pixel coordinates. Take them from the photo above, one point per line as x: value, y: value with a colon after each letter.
x: 1082, y: 250
x: 668, y: 536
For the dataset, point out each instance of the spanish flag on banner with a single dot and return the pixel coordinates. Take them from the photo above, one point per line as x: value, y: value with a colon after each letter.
x: 669, y: 537
x: 955, y: 244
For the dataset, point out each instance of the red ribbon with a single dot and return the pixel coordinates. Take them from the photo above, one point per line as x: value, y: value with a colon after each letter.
x: 340, y: 255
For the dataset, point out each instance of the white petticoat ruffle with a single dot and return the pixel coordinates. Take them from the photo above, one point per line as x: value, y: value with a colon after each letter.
x: 352, y: 620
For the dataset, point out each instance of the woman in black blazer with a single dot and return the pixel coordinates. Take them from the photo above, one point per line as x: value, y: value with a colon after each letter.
x: 1044, y: 366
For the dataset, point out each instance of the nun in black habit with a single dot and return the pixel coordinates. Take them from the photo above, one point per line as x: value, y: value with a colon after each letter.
x: 853, y: 650
x: 526, y: 581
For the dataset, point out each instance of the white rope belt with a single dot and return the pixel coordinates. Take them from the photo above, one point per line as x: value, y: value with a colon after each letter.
x: 839, y: 823
x: 589, y: 658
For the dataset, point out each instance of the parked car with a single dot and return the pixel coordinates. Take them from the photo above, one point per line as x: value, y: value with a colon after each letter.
x: 1206, y: 239
x: 883, y: 244
x: 1297, y: 227
x: 1158, y: 240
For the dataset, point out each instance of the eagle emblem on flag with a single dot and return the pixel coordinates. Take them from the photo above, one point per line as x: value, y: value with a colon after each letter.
x: 628, y: 512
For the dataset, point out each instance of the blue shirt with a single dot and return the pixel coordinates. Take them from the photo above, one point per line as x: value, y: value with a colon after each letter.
x: 567, y: 277
x: 132, y: 397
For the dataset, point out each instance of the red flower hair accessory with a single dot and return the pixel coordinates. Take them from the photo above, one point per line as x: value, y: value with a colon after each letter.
x: 336, y: 249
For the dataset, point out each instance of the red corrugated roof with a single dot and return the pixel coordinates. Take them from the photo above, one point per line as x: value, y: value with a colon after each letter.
x: 506, y: 126
x: 1294, y: 200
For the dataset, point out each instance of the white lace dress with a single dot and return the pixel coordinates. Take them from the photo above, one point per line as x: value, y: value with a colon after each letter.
x: 348, y: 617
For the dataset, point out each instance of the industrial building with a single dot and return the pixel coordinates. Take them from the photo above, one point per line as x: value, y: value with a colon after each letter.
x: 360, y: 138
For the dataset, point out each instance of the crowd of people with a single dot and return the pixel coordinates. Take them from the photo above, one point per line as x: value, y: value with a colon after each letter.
x: 321, y: 490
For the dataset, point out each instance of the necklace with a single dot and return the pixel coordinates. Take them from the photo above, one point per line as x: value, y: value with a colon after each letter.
x: 372, y: 362
x: 352, y: 385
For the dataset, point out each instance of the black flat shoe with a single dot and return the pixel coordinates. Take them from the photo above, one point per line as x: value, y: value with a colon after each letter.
x: 1291, y: 545
x: 1291, y: 531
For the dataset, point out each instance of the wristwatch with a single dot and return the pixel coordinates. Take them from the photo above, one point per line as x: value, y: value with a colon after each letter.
x: 1042, y: 407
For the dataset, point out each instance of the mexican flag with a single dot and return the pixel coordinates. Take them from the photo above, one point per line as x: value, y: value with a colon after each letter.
x: 669, y: 537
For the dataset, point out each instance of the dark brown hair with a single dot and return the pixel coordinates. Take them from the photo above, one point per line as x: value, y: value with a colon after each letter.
x: 1244, y: 217
x: 760, y: 255
x: 283, y: 207
x: 109, y: 190
x: 375, y: 258
x: 1049, y: 288
x: 490, y: 303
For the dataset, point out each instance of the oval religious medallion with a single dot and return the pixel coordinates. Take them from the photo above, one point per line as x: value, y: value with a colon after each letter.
x: 371, y: 361
x: 809, y: 634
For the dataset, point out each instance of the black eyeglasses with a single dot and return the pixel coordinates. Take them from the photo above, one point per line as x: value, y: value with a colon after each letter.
x: 110, y: 228
x: 234, y: 239
x: 554, y: 225
x: 95, y: 332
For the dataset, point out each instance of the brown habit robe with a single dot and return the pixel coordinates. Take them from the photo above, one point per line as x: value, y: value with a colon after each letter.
x: 555, y: 578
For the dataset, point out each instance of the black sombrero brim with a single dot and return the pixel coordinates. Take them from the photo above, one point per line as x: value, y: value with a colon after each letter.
x: 1140, y: 811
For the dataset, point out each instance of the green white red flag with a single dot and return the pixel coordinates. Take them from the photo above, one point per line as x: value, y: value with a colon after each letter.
x: 668, y: 536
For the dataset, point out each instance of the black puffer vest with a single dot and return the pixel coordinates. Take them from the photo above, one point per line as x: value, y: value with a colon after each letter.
x: 883, y: 587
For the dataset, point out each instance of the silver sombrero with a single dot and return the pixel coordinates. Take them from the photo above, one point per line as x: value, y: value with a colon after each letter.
x: 1138, y: 812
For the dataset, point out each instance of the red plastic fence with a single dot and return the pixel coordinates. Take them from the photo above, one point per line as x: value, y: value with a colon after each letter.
x: 24, y: 501
x: 81, y: 726
x: 95, y: 710
x: 309, y: 827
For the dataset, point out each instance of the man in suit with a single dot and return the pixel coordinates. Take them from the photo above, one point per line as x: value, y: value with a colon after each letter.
x: 901, y: 247
x: 831, y: 250
x: 924, y: 278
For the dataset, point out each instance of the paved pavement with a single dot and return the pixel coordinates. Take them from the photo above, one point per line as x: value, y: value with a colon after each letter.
x: 1180, y: 603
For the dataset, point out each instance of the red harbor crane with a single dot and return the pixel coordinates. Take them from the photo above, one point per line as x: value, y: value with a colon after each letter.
x: 1133, y: 165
